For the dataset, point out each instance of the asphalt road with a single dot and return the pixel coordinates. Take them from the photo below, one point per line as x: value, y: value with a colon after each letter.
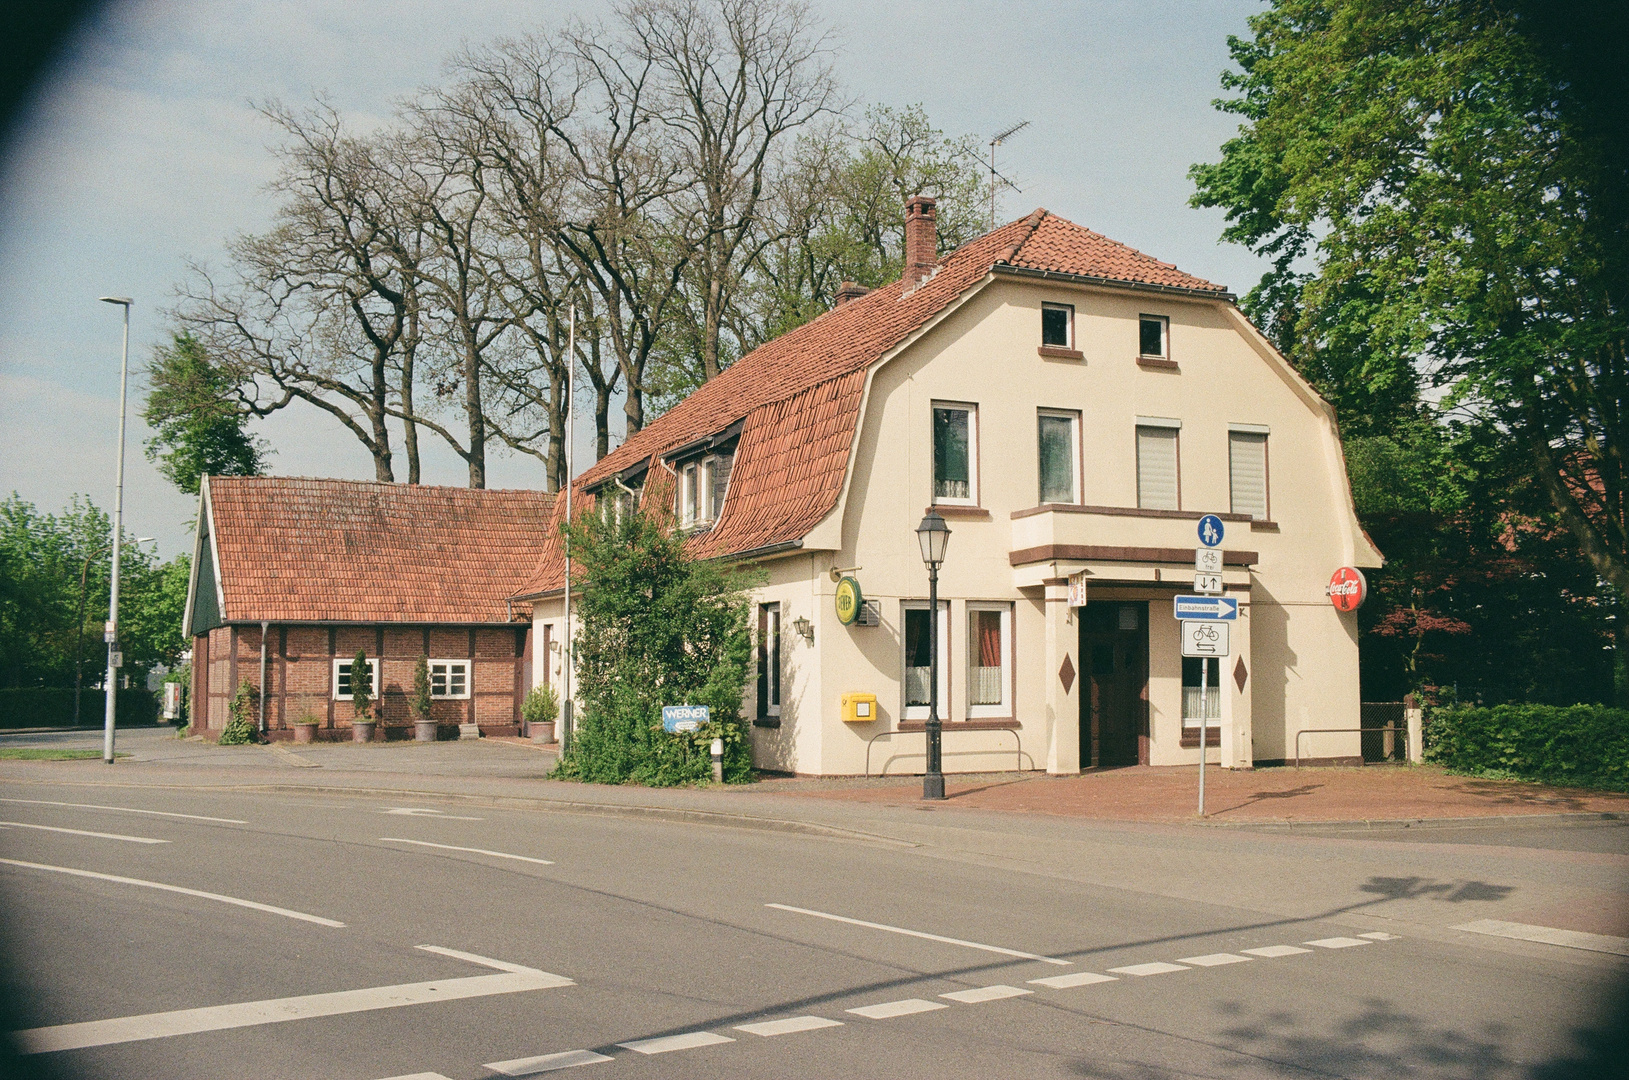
x: 1274, y: 955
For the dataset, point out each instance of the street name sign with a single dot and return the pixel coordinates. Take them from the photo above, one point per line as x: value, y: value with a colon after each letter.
x: 1206, y: 607
x: 1207, y: 560
x: 1210, y: 530
x: 1207, y: 584
x: 1204, y: 637
x: 683, y: 717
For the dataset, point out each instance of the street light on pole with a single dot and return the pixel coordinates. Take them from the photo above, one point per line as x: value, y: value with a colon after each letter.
x: 934, y: 536
x: 114, y: 659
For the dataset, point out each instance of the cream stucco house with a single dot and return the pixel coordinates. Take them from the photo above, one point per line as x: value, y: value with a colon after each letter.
x: 1071, y: 407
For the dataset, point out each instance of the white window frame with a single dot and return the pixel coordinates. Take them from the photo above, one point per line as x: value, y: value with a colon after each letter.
x: 1165, y: 336
x: 1168, y: 424
x: 465, y: 664
x: 1069, y: 333
x: 920, y: 712
x: 696, y: 493
x: 1076, y: 465
x: 346, y: 661
x: 972, y: 499
x: 1004, y: 708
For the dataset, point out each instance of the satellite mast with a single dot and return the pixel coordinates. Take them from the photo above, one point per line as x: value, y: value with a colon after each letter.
x: 994, y: 176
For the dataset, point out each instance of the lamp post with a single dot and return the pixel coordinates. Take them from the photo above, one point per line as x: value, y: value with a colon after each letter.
x: 112, y: 635
x: 934, y: 536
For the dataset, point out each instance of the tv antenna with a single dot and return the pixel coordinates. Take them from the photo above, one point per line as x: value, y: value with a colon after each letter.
x: 994, y: 176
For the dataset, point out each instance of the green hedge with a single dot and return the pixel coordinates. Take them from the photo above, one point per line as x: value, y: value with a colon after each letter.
x: 49, y: 706
x: 1577, y: 745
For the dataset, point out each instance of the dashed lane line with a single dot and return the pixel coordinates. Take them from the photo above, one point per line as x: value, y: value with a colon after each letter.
x: 979, y: 995
x: 127, y: 810
x: 513, y: 979
x: 666, y: 1044
x: 887, y: 1010
x: 1215, y: 959
x: 1156, y: 968
x: 472, y: 850
x: 790, y: 1026
x: 1379, y: 935
x: 269, y: 909
x: 920, y: 934
x: 422, y: 811
x: 1337, y: 942
x: 1273, y: 952
x: 82, y: 832
x: 1078, y: 978
x: 536, y: 1066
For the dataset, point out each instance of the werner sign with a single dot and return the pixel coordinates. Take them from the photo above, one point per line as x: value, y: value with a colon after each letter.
x: 683, y: 717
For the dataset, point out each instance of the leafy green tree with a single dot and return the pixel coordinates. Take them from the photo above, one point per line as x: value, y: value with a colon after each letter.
x: 1443, y: 190
x: 200, y: 426
x: 656, y: 628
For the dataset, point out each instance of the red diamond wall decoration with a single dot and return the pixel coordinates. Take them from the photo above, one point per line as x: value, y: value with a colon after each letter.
x: 1240, y: 675
x: 1066, y: 674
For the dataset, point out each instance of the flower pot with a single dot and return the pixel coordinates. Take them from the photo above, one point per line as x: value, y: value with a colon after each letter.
x: 362, y: 730
x: 424, y: 731
x: 305, y: 733
x: 542, y: 730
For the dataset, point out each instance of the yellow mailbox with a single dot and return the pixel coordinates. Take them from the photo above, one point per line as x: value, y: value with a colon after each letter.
x: 859, y: 708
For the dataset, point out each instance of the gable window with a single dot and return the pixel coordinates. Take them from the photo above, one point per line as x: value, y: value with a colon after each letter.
x: 1158, y: 486
x: 955, y: 454
x: 1059, y: 450
x: 1153, y: 336
x: 917, y: 663
x: 449, y: 678
x: 989, y: 660
x: 342, y: 678
x: 769, y: 665
x: 1247, y: 470
x: 1058, y: 325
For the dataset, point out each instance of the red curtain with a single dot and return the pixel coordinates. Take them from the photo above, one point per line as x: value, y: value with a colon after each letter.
x: 989, y: 639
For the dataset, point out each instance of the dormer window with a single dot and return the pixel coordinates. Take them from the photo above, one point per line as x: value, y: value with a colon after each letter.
x: 695, y: 488
x: 703, y: 471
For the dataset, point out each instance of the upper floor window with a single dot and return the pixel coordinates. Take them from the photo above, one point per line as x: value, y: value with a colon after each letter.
x: 955, y: 454
x: 1059, y: 447
x: 1058, y: 325
x: 703, y: 483
x: 1247, y: 470
x: 618, y: 503
x: 1158, y: 486
x: 1154, y: 332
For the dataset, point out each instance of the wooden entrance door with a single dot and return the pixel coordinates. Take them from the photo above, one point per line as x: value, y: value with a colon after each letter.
x: 1114, y: 699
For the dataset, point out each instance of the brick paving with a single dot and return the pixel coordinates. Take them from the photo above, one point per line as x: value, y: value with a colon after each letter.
x: 1262, y: 796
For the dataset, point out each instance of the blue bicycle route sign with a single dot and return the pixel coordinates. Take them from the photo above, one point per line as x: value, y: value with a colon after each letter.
x: 1206, y: 607
x: 683, y: 717
x: 1210, y: 530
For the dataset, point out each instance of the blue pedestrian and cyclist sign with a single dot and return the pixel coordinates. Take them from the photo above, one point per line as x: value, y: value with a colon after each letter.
x: 1210, y: 530
x: 1207, y: 607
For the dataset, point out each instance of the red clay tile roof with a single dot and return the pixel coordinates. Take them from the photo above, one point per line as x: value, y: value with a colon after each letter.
x: 800, y: 394
x: 302, y: 550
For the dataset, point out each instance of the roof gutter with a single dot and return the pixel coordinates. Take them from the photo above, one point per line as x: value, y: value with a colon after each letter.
x: 1111, y: 283
x: 758, y: 552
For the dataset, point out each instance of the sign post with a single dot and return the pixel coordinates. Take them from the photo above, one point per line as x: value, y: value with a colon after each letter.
x: 1206, y: 633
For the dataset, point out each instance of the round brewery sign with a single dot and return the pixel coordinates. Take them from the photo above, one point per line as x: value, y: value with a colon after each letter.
x: 1347, y: 588
x: 849, y: 601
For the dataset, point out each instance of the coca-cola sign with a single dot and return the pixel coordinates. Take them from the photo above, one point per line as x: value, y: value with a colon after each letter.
x: 1347, y: 588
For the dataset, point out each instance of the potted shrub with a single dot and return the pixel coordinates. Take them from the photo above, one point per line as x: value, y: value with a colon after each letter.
x: 305, y: 728
x: 424, y: 725
x: 362, y: 723
x: 539, y: 710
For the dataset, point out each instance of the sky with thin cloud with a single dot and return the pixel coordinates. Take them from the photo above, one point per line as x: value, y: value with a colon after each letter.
x: 142, y: 151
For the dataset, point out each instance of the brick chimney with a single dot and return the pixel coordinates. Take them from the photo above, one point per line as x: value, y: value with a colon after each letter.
x: 921, y: 241
x: 850, y: 290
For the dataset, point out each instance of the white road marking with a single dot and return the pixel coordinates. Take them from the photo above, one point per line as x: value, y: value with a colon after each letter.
x: 1273, y: 952
x: 669, y: 1043
x: 789, y: 1026
x: 887, y: 1010
x: 981, y: 994
x: 1380, y: 935
x: 1157, y: 968
x: 533, y: 1066
x: 278, y: 1010
x: 419, y: 811
x: 1079, y: 978
x: 920, y: 934
x: 126, y: 810
x: 419, y: 1076
x: 1215, y: 959
x: 268, y: 908
x: 82, y: 832
x: 472, y: 850
x: 1337, y: 942
x: 1548, y: 935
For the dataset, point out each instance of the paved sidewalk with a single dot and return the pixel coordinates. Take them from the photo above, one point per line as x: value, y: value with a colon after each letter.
x: 1262, y: 796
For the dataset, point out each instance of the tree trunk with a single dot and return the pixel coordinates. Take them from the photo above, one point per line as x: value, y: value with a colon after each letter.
x: 477, y: 419
x: 410, y: 429
x: 602, y: 422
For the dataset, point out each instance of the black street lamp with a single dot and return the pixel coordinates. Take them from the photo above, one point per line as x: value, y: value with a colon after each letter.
x: 934, y: 536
